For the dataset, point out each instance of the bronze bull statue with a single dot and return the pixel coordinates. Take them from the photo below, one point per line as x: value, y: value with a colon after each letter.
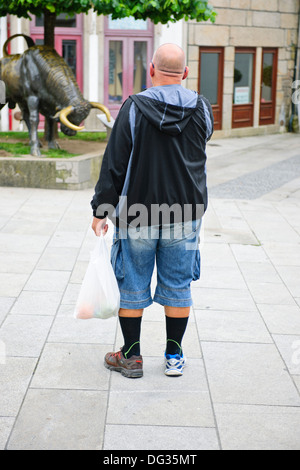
x: 40, y: 81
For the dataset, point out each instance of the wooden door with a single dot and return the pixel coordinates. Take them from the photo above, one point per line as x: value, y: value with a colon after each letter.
x: 244, y: 87
x: 211, y: 70
x: 128, y: 52
x: 268, y: 87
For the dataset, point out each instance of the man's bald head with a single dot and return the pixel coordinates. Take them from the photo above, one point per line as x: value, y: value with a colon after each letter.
x: 169, y: 59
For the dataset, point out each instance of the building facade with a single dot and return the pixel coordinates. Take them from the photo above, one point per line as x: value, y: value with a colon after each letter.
x: 245, y: 63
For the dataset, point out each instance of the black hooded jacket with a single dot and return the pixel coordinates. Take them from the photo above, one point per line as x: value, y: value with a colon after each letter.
x: 156, y: 155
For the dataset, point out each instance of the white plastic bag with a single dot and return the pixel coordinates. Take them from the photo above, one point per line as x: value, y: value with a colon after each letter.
x: 99, y: 296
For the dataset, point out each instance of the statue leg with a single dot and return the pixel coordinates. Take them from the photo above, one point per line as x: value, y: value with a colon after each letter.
x: 25, y: 116
x: 33, y: 106
x: 52, y: 144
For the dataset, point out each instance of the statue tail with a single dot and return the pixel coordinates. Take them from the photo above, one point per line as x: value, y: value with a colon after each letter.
x: 29, y: 40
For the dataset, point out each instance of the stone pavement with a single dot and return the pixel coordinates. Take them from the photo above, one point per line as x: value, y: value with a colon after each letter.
x: 241, y: 387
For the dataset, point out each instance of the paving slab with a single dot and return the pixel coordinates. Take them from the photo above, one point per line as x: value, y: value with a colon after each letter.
x: 121, y: 437
x: 223, y: 299
x: 23, y: 243
x: 281, y: 319
x: 5, y: 306
x: 16, y: 373
x: 37, y: 303
x: 65, y: 329
x: 289, y: 347
x: 270, y: 293
x: 6, y: 425
x: 72, y: 366
x: 48, y: 281
x: 25, y: 335
x: 11, y: 284
x: 241, y: 386
x: 57, y: 258
x: 60, y: 420
x: 156, y: 407
x: 245, y: 427
x: 232, y: 326
x: 19, y: 263
x: 247, y: 373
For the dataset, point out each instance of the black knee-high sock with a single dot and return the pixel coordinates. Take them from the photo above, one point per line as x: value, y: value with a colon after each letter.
x: 131, y: 329
x: 175, y: 331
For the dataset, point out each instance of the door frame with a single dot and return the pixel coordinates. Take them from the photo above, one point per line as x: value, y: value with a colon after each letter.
x: 128, y: 37
x: 270, y: 106
x: 216, y: 108
x: 128, y: 65
x: 243, y: 114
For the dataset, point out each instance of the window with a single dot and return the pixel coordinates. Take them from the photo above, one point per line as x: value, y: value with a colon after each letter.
x: 127, y: 24
x: 211, y: 66
x: 115, y: 88
x: 62, y: 21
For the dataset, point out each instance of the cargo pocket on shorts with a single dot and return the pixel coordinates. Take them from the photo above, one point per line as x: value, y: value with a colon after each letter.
x: 116, y: 258
x: 197, y: 266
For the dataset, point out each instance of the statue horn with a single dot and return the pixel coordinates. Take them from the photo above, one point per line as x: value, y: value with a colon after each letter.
x: 63, y: 117
x: 102, y: 108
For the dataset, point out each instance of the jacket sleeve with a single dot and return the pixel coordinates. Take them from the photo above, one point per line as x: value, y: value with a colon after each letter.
x: 209, y: 118
x: 114, y: 165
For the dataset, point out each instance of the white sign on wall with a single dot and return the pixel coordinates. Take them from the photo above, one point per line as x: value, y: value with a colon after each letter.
x: 242, y: 95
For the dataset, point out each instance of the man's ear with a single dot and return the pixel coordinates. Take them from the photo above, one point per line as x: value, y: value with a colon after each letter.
x: 151, y: 69
x: 186, y: 72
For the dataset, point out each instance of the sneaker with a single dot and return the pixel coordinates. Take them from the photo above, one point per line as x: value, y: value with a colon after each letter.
x: 174, y: 364
x: 131, y: 368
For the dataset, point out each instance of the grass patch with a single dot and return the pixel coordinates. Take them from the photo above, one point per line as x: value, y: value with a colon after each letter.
x: 18, y: 149
x: 86, y: 136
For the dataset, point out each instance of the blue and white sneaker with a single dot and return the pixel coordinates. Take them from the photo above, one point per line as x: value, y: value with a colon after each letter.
x: 174, y: 364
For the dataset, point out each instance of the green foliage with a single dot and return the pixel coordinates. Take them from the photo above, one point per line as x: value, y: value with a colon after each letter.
x: 158, y: 11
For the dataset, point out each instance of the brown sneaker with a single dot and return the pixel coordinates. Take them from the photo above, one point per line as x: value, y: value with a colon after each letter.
x: 131, y: 368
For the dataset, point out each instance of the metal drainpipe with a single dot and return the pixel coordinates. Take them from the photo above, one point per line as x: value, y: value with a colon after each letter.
x: 296, y: 75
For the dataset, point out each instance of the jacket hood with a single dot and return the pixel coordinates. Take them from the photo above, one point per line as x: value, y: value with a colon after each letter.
x: 168, y: 113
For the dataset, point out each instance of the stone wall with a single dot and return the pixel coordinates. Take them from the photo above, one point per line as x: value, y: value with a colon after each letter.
x: 51, y: 173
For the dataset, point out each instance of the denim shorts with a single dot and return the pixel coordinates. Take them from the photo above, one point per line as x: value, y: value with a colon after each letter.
x: 172, y: 249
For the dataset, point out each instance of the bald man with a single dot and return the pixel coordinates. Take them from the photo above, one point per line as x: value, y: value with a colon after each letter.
x: 152, y: 185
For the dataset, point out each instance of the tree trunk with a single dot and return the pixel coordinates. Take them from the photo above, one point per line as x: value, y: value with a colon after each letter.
x: 49, y: 29
x: 49, y: 25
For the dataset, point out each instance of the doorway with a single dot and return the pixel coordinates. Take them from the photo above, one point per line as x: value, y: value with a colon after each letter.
x: 243, y: 92
x: 268, y: 87
x: 211, y: 70
x: 68, y: 43
x: 68, y: 40
x: 128, y: 52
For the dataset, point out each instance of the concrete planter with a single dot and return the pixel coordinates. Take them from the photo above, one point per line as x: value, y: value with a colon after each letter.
x: 51, y: 173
